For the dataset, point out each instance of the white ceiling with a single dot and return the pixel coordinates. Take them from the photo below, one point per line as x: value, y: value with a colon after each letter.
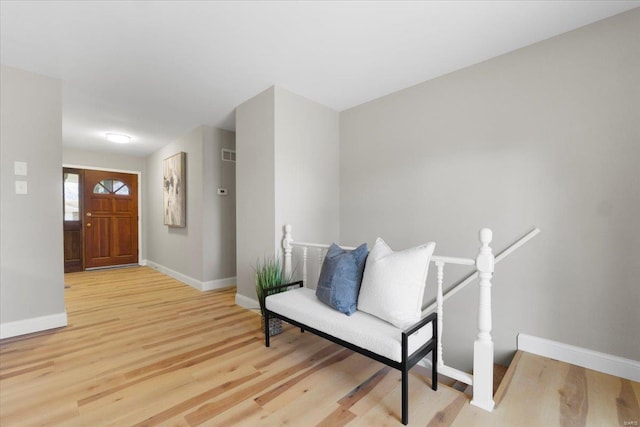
x: 157, y: 69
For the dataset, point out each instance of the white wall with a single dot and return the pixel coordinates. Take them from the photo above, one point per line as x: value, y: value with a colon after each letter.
x: 287, y: 173
x: 193, y: 253
x: 31, y: 267
x: 545, y: 136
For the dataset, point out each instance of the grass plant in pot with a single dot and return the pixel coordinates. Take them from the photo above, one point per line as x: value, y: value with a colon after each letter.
x: 269, y: 274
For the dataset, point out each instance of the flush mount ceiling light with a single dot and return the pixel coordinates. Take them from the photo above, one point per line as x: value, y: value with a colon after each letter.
x: 118, y: 138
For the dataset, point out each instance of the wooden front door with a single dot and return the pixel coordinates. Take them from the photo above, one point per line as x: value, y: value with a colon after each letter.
x: 110, y: 214
x: 72, y: 219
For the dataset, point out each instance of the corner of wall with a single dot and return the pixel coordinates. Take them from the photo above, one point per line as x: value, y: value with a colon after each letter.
x: 36, y: 324
x: 246, y: 302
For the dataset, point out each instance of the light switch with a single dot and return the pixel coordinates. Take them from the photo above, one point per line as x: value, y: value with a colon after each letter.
x: 21, y: 187
x: 20, y: 168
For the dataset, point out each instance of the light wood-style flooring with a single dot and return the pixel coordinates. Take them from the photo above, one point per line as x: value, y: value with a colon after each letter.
x: 142, y: 349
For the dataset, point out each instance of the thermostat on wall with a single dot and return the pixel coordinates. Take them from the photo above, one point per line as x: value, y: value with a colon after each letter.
x: 222, y: 192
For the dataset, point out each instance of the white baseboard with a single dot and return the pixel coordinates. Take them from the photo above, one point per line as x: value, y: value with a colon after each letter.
x: 195, y: 283
x: 219, y: 283
x: 35, y: 324
x: 247, y: 302
x: 143, y: 262
x: 601, y: 362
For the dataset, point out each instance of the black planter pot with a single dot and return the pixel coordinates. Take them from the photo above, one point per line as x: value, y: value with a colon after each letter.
x: 275, y: 325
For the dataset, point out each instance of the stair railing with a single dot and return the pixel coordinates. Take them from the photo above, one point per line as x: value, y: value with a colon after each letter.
x: 474, y: 275
x: 482, y: 378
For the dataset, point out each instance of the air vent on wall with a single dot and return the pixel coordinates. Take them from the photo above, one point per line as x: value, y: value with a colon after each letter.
x: 228, y: 155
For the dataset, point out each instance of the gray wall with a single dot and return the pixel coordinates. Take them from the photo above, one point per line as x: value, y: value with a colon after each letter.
x: 78, y: 157
x: 196, y: 250
x: 307, y: 179
x: 117, y: 162
x: 545, y: 136
x: 287, y: 173
x: 219, y: 222
x: 255, y: 180
x: 179, y: 249
x: 31, y: 268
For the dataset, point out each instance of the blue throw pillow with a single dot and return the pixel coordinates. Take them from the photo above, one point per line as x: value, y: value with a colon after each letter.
x: 340, y: 277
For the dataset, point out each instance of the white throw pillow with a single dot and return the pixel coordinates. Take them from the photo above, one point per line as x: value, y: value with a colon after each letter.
x: 393, y: 283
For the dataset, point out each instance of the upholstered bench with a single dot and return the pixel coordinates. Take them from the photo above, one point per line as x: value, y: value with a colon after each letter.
x: 361, y: 332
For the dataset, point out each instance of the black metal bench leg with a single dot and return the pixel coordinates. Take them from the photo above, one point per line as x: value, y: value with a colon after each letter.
x: 266, y: 330
x: 405, y: 396
x: 434, y: 355
x: 434, y: 369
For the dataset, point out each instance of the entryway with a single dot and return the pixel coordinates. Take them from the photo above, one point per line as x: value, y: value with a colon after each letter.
x: 100, y: 219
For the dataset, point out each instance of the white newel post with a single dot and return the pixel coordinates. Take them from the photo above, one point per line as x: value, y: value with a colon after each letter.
x: 483, y: 346
x: 287, y: 248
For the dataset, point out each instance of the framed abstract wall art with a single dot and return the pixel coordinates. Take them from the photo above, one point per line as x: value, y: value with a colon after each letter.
x: 174, y: 188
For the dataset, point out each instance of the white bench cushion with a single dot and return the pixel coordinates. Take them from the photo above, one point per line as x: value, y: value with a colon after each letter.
x: 360, y: 329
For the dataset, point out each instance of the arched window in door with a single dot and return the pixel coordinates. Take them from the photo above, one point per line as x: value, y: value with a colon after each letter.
x: 111, y: 186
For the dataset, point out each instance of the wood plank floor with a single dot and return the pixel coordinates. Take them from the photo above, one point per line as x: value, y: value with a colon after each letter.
x: 142, y: 349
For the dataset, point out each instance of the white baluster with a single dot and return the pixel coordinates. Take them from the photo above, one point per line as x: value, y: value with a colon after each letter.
x: 321, y: 253
x: 483, y: 346
x: 440, y: 311
x: 288, y: 249
x: 304, y: 265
